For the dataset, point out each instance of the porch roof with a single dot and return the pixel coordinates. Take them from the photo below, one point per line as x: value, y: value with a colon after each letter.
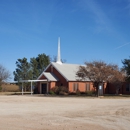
x: 50, y: 76
x: 32, y: 80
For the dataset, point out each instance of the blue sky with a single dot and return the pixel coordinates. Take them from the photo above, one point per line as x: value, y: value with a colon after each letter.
x: 89, y: 30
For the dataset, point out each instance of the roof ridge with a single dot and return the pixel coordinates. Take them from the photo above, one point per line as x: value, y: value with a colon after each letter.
x: 66, y: 63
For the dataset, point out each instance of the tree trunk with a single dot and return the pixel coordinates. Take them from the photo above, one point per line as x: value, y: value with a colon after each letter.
x: 98, y: 91
x: 96, y: 85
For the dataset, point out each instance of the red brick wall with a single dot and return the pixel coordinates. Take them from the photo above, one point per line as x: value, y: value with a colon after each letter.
x: 81, y: 86
x: 62, y: 80
x: 122, y: 90
x: 43, y: 77
x: 107, y: 88
x: 52, y: 85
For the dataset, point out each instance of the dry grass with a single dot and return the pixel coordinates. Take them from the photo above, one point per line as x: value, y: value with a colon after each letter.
x: 10, y: 88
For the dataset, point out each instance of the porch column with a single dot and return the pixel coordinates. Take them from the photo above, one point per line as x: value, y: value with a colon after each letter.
x: 22, y: 88
x: 31, y: 87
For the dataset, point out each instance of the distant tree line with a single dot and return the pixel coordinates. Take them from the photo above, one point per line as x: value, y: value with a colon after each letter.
x: 96, y: 71
x: 26, y: 70
x: 30, y: 70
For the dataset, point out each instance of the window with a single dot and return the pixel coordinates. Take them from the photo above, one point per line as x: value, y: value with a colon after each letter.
x: 128, y: 87
x: 87, y: 85
x: 75, y: 86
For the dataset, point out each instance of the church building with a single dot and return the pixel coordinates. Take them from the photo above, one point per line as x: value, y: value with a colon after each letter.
x: 63, y: 74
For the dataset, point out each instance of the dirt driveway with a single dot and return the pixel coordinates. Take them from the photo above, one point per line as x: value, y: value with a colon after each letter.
x: 54, y: 113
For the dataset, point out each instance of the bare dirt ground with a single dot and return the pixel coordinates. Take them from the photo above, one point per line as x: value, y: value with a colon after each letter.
x: 63, y: 113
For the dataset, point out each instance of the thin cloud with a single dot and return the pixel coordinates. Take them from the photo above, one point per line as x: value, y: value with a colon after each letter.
x: 100, y: 17
x: 122, y: 46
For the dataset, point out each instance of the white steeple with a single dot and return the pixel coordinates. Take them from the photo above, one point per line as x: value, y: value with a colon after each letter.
x: 58, y: 54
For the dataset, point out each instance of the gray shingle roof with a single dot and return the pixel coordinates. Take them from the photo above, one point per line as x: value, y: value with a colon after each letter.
x: 68, y: 71
x: 50, y: 76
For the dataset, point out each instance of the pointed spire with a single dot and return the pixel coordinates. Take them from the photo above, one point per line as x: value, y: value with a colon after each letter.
x: 58, y: 54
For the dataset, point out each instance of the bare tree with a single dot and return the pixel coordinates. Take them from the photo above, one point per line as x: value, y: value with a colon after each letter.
x: 118, y: 79
x: 54, y: 59
x: 100, y: 72
x: 4, y: 74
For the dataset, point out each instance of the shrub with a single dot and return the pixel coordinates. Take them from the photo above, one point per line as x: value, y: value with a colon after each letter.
x: 52, y: 92
x: 55, y: 90
x: 61, y: 93
x: 90, y: 93
x: 78, y: 92
x: 72, y: 93
x: 83, y: 93
x: 63, y: 89
x: 59, y: 90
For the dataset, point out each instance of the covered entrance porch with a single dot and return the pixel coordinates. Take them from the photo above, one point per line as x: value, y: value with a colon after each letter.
x: 43, y: 86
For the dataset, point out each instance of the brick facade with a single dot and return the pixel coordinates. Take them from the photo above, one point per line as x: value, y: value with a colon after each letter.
x: 81, y: 86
